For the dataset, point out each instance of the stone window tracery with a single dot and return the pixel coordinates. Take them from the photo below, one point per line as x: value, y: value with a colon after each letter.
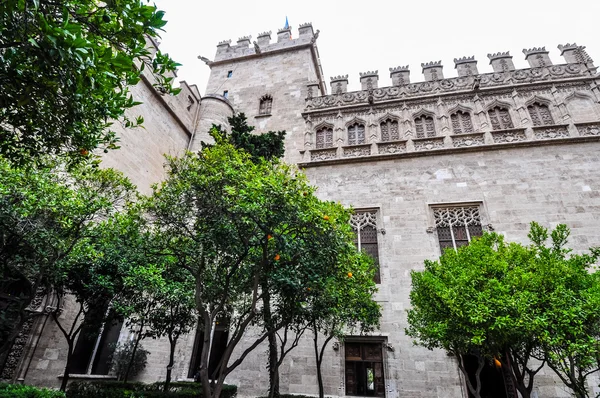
x: 461, y: 122
x: 324, y: 138
x: 425, y: 127
x: 389, y: 130
x: 364, y: 224
x: 457, y: 225
x: 540, y: 114
x: 265, y: 106
x: 500, y: 118
x: 356, y: 134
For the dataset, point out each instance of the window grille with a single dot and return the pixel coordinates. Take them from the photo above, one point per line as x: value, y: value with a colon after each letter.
x: 461, y: 122
x: 266, y: 103
x: 324, y: 138
x: 364, y: 224
x: 500, y: 118
x: 540, y: 115
x: 457, y: 225
x: 389, y: 130
x: 425, y: 127
x: 356, y: 134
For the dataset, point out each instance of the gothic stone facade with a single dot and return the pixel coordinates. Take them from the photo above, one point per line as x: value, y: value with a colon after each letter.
x: 427, y: 165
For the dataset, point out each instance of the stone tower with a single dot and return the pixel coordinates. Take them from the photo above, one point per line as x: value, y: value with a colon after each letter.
x: 268, y: 81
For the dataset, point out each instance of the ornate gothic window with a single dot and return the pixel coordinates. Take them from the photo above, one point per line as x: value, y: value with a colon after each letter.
x: 425, y: 127
x: 364, y: 224
x: 457, y: 225
x: 324, y: 138
x: 500, y: 118
x: 364, y: 368
x: 461, y: 122
x: 540, y: 114
x: 389, y: 130
x: 356, y: 134
x: 266, y: 103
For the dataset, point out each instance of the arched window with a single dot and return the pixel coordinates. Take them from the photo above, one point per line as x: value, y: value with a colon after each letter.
x: 389, y: 130
x: 500, y: 118
x: 461, y: 122
x: 356, y: 134
x: 540, y: 114
x: 266, y: 103
x: 324, y: 138
x: 425, y: 127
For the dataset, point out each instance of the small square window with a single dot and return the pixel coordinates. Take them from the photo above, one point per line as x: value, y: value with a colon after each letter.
x: 229, y: 74
x: 226, y: 94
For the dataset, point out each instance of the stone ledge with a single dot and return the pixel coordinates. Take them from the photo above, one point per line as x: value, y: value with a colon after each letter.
x: 588, y: 128
x: 452, y: 151
x: 551, y: 131
x: 263, y: 115
x: 89, y: 377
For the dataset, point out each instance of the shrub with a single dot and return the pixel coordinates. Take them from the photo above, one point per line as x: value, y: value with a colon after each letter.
x: 117, y: 389
x: 23, y: 391
x: 121, y: 357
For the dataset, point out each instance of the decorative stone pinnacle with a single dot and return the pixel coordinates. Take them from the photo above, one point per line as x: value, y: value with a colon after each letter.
x: 304, y: 25
x: 464, y: 60
x: 224, y: 42
x: 245, y: 38
x: 535, y: 50
x: 494, y: 56
x: 288, y: 29
x: 567, y: 47
x: 399, y: 69
x: 368, y: 73
x: 340, y: 77
x: 431, y: 64
x: 263, y: 34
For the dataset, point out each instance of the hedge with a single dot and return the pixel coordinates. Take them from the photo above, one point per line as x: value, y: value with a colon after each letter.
x: 117, y: 389
x: 23, y: 391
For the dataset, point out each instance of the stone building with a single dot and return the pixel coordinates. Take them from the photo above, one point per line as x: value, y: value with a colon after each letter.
x: 426, y: 164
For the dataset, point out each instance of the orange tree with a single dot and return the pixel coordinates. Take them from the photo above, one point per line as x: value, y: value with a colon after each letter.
x: 242, y: 230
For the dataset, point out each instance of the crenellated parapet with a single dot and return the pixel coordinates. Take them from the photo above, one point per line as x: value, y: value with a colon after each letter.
x: 286, y: 39
x: 578, y: 65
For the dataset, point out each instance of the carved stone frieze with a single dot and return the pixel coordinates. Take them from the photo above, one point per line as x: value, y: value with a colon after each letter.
x: 467, y: 140
x: 550, y: 132
x: 508, y: 136
x: 588, y: 129
x: 427, y: 144
x: 495, y: 79
x: 359, y: 150
x: 392, y: 147
x: 323, y: 154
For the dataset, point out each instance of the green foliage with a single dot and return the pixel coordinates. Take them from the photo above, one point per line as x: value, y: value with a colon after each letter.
x: 65, y: 71
x: 23, y: 391
x: 107, y: 389
x: 269, y: 145
x: 48, y: 220
x: 244, y: 230
x: 122, y: 356
x: 512, y: 303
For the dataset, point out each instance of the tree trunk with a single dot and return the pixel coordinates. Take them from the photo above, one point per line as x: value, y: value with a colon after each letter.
x: 135, y: 347
x: 173, y: 343
x: 66, y: 374
x: 272, y: 362
x: 319, y: 375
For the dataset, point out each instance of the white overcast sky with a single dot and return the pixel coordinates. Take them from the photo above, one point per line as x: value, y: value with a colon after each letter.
x: 376, y: 35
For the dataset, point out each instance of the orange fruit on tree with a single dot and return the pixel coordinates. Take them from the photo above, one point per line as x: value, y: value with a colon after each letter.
x: 349, y: 274
x: 277, y: 257
x: 325, y: 217
x: 269, y: 237
x: 83, y: 152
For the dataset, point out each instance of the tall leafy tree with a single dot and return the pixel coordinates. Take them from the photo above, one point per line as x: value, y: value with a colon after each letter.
x: 45, y: 214
x: 65, y: 71
x: 496, y: 301
x: 570, y: 339
x: 268, y: 146
x: 238, y: 226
